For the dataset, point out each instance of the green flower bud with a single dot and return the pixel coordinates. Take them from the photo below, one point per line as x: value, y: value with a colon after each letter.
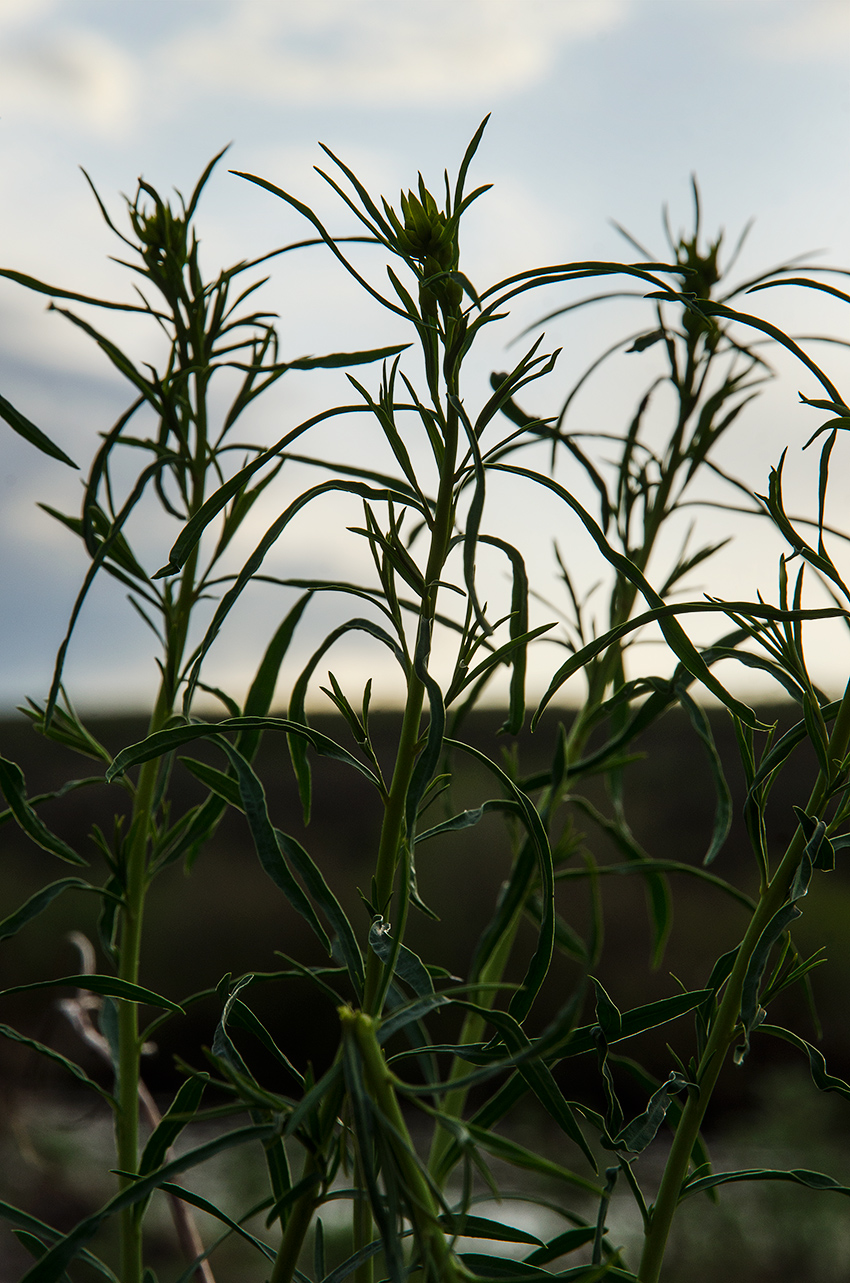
x: 426, y: 233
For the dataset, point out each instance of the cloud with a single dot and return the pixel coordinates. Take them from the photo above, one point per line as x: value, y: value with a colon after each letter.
x: 70, y: 77
x: 818, y: 31
x: 331, y: 51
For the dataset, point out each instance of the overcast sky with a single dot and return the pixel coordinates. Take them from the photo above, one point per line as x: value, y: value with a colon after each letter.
x: 601, y: 109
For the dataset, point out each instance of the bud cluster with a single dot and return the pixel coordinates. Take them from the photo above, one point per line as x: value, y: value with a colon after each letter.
x: 430, y: 236
x: 161, y: 233
x: 701, y: 274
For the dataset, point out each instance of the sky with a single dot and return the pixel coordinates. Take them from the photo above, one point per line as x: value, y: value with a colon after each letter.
x: 600, y: 110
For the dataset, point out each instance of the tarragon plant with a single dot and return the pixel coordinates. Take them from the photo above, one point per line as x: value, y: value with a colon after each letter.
x: 353, y: 1130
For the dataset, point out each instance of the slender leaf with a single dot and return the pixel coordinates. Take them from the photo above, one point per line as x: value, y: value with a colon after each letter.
x: 799, y: 1176
x: 14, y: 788
x: 21, y: 424
x: 162, y: 742
x: 108, y: 986
x: 8, y: 1032
x: 266, y: 842
x: 37, y: 903
x: 42, y: 1233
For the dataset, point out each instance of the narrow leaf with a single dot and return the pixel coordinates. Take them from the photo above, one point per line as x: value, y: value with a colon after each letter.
x: 408, y: 966
x: 7, y: 1032
x: 107, y: 986
x: 799, y: 1176
x: 37, y: 903
x: 266, y: 843
x: 14, y: 788
x: 20, y: 424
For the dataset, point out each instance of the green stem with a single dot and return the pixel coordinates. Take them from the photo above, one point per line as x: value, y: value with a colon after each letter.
x: 494, y: 966
x: 132, y: 915
x: 127, y: 1116
x: 297, y: 1225
x: 301, y: 1214
x: 472, y: 1031
x: 725, y: 1027
x: 392, y: 829
x: 439, y: 1265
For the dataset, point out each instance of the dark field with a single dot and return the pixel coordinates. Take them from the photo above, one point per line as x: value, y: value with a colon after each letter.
x: 226, y: 916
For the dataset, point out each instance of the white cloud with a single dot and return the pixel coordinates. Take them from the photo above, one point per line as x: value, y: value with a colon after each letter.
x: 332, y: 51
x: 21, y: 12
x: 71, y: 77
x: 817, y: 30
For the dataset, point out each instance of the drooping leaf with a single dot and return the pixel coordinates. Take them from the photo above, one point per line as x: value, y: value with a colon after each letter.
x: 162, y: 742
x: 517, y: 1155
x: 723, y: 797
x: 316, y: 884
x: 562, y: 1244
x: 14, y: 788
x: 266, y: 842
x: 108, y: 986
x: 242, y: 1016
x: 539, y: 963
x: 536, y: 1073
x: 37, y: 903
x: 799, y: 1176
x: 21, y: 424
x: 821, y: 1077
x: 204, y: 1205
x: 39, y: 1047
x: 42, y: 1234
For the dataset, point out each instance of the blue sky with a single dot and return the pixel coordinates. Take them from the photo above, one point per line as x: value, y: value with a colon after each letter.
x: 601, y: 109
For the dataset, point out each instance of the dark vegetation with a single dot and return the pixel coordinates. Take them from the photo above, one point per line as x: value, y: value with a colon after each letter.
x: 231, y: 919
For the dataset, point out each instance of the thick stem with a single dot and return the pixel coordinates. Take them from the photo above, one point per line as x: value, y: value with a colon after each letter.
x: 300, y: 1219
x: 301, y: 1214
x: 439, y: 1265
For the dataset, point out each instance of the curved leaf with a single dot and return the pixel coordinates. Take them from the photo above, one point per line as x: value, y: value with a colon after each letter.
x: 162, y: 742
x: 12, y: 1034
x: 107, y: 986
x: 798, y: 1175
x: 538, y: 965
x: 14, y: 788
x: 37, y: 903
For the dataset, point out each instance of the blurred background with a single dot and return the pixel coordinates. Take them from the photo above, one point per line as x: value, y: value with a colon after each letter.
x: 601, y: 110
